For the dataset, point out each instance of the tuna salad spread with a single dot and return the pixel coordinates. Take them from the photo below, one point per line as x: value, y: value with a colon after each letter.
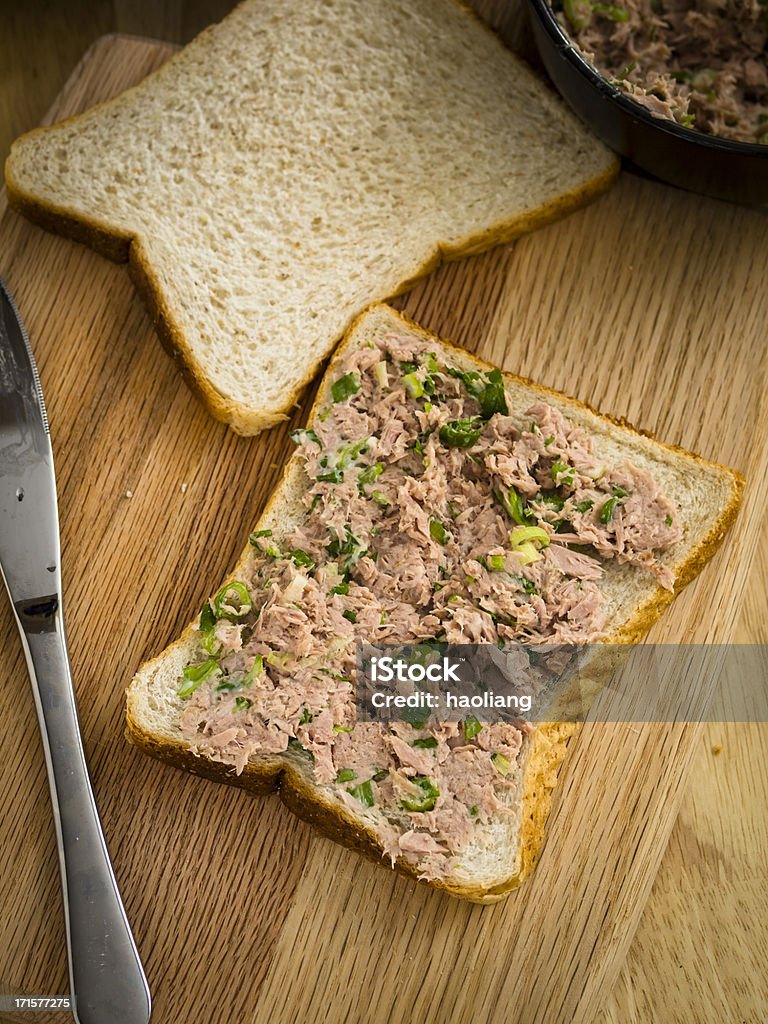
x: 701, y: 64
x: 432, y: 514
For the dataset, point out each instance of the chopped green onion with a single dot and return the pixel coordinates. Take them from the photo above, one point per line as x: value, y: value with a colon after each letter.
x: 513, y: 505
x: 300, y: 436
x: 527, y: 553
x: 496, y: 563
x: 427, y: 743
x: 278, y: 658
x: 668, y: 520
x: 524, y: 534
x: 195, y: 675
x: 306, y: 716
x: 462, y: 433
x: 474, y: 810
x: 413, y: 385
x: 242, y: 703
x: 273, y: 551
x: 341, y: 588
x: 438, y: 532
x: 331, y: 476
x: 381, y: 499
x: 619, y: 492
x: 225, y: 608
x: 578, y: 13
x: 346, y: 775
x: 369, y: 474
x: 363, y: 793
x: 254, y: 536
x: 423, y: 801
x: 584, y: 506
x: 501, y: 763
x: 350, y: 615
x: 549, y: 440
x: 562, y: 474
x: 207, y: 618
x: 301, y: 558
x: 607, y: 510
x: 471, y: 727
x: 342, y: 728
x: 257, y: 669
x: 345, y: 387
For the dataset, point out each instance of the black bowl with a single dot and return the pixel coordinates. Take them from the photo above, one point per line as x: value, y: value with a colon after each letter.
x: 681, y: 156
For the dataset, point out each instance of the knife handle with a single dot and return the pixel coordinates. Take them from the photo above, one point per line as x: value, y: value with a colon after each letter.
x: 107, y: 983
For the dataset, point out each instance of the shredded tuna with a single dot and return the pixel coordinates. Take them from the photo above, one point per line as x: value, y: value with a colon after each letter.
x: 701, y: 64
x: 419, y: 478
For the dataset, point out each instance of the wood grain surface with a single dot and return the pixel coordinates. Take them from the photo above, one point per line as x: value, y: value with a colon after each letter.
x: 649, y: 304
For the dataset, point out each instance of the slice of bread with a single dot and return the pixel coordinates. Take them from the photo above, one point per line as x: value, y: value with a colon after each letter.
x: 296, y: 162
x: 505, y: 850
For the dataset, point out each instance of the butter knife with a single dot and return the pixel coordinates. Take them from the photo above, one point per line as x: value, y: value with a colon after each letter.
x: 107, y: 982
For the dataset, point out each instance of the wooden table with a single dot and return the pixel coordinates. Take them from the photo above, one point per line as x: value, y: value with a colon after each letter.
x: 699, y: 950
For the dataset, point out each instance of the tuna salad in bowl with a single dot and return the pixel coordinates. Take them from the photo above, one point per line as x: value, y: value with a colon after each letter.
x: 681, y: 89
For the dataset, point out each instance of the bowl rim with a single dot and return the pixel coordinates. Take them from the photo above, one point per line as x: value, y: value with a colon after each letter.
x: 546, y: 15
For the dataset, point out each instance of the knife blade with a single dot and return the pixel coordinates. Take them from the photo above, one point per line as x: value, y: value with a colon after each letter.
x: 107, y: 982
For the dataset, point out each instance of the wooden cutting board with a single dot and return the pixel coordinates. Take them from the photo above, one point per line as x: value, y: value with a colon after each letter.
x: 650, y: 304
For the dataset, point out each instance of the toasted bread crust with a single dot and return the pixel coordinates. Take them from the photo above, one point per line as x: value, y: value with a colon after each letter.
x: 550, y: 739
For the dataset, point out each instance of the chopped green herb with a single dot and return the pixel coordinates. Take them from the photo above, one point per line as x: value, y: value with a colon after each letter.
x: 300, y: 436
x: 513, y: 506
x: 369, y: 474
x: 584, y: 506
x: 528, y: 585
x: 253, y: 537
x: 562, y: 474
x: 341, y: 588
x: 345, y: 387
x: 474, y: 810
x: 350, y: 550
x: 493, y: 398
x: 423, y: 801
x: 363, y: 793
x: 471, y: 727
x: 607, y: 510
x: 407, y: 367
x: 207, y: 618
x: 496, y: 563
x: 462, y: 433
x: 501, y: 763
x: 438, y: 532
x: 346, y: 775
x: 619, y: 492
x: 306, y: 716
x: 548, y: 441
x: 302, y: 559
x: 342, y: 728
x: 668, y: 520
x: 381, y: 499
x: 195, y: 675
x: 350, y: 615
x: 426, y: 743
x: 242, y: 703
x: 257, y: 668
